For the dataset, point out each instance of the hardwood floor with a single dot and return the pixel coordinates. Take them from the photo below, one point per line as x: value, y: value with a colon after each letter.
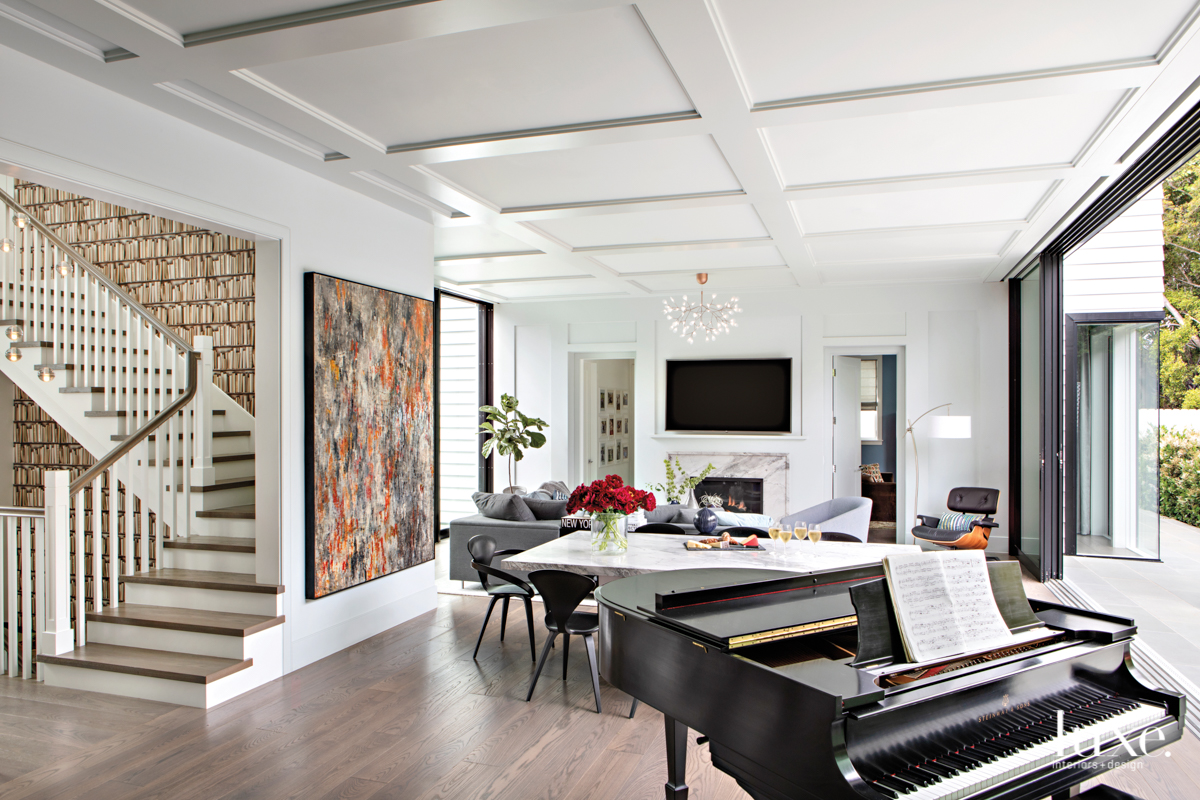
x: 407, y: 714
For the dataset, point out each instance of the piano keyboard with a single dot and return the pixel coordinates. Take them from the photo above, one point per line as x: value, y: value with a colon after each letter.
x: 1016, y: 743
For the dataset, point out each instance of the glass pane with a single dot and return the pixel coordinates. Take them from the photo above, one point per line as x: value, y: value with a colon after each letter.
x: 1031, y: 416
x: 869, y: 381
x: 1117, y: 485
x: 869, y: 425
x: 458, y: 407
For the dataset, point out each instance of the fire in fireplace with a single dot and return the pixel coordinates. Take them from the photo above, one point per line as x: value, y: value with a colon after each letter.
x: 738, y: 494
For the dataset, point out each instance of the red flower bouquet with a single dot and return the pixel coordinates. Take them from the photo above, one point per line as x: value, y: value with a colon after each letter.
x: 609, y: 500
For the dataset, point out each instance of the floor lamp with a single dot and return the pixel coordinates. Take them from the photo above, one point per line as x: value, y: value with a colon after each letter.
x: 943, y: 427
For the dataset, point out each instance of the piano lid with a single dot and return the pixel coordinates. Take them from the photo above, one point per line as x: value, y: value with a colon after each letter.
x: 755, y: 607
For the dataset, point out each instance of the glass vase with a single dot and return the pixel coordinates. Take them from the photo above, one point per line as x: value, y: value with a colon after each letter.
x: 608, y: 533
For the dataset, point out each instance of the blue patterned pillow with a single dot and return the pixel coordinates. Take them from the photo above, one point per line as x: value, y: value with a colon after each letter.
x: 953, y: 521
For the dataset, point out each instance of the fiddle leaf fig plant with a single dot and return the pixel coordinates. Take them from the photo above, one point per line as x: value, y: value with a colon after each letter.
x: 511, y: 432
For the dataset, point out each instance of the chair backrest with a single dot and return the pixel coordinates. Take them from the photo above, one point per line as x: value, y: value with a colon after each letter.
x: 562, y: 592
x: 973, y: 500
x: 660, y: 527
x: 743, y: 531
x: 482, y: 548
x: 835, y: 536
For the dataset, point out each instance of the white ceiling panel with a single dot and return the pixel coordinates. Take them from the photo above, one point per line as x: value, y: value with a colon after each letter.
x: 940, y: 141
x: 903, y: 246
x: 722, y: 283
x: 956, y: 205
x: 535, y: 290
x: 656, y: 168
x: 783, y: 48
x: 964, y: 269
x: 646, y: 227
x: 462, y: 240
x: 570, y: 69
x: 505, y: 269
x: 694, y: 260
x: 188, y: 16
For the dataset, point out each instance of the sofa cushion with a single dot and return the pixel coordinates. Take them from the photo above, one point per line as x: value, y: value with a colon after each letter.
x: 732, y: 520
x: 662, y: 514
x: 685, y: 515
x: 503, y: 506
x: 546, y: 509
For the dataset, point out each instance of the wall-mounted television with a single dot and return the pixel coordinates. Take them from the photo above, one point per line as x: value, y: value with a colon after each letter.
x: 730, y: 395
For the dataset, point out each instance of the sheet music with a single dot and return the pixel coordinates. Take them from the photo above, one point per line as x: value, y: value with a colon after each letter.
x: 944, y: 604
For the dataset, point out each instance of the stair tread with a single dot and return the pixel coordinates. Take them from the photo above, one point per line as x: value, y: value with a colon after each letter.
x: 224, y: 544
x: 203, y: 579
x: 219, y: 623
x: 149, y: 663
x: 232, y: 512
x: 120, y: 437
x: 225, y: 459
x: 228, y: 483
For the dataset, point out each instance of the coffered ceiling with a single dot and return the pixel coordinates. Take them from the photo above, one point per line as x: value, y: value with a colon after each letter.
x: 584, y: 148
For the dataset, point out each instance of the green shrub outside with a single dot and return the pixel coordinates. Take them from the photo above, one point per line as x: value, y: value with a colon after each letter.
x: 1179, y: 475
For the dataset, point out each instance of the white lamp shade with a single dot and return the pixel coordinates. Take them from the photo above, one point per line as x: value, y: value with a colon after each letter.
x: 948, y: 427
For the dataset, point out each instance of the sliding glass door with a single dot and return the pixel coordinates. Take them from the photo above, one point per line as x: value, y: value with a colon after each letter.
x: 1112, y: 428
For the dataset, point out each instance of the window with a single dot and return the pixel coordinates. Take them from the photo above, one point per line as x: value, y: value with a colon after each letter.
x: 871, y: 400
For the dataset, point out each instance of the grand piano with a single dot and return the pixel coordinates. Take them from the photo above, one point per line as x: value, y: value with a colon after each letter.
x: 797, y: 683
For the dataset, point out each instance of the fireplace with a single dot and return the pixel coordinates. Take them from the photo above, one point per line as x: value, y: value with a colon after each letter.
x: 743, y: 495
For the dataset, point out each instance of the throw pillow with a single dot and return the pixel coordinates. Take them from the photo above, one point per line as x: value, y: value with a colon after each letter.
x: 503, y: 506
x: 871, y: 473
x: 662, y: 514
x: 555, y: 489
x: 685, y: 515
x: 953, y: 521
x: 730, y: 519
x: 546, y: 509
x: 539, y: 494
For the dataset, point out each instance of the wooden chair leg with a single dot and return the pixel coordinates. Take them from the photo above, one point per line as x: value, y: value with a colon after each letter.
x: 541, y: 663
x: 590, y: 644
x: 483, y: 627
x: 503, y: 616
x: 633, y: 708
x: 529, y: 621
x: 566, y: 652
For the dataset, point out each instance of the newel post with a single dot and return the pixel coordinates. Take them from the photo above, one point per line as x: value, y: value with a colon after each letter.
x: 203, y: 473
x: 55, y: 635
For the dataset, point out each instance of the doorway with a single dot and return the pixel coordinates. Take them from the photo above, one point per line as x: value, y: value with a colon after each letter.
x: 606, y: 414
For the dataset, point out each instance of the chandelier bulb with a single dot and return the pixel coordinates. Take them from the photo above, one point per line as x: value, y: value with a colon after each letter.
x: 6, y: 245
x: 46, y: 374
x: 13, y: 354
x: 21, y: 220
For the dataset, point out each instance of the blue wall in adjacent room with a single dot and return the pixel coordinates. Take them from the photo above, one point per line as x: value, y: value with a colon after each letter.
x: 885, y: 454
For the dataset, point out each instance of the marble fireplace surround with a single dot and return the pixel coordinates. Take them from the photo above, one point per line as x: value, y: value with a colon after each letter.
x: 772, y: 468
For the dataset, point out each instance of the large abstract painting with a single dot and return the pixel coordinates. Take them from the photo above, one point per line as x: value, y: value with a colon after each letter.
x: 369, y: 392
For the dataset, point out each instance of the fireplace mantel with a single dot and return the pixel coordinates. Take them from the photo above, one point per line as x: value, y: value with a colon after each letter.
x: 772, y: 468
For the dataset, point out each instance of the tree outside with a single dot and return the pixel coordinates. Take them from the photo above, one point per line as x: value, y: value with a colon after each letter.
x: 1179, y: 339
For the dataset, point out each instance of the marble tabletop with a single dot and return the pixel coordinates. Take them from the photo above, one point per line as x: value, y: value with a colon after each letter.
x: 658, y: 552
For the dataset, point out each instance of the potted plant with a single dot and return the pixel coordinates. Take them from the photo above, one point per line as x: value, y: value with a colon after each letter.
x: 676, y: 492
x: 609, y: 500
x: 510, y: 433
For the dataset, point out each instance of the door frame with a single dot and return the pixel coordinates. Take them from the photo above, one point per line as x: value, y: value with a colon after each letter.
x: 577, y: 396
x: 1071, y: 473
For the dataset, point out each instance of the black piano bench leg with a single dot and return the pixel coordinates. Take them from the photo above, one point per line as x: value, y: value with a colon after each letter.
x: 676, y: 787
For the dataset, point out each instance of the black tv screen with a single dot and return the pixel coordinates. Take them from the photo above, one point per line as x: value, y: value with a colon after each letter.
x: 733, y: 395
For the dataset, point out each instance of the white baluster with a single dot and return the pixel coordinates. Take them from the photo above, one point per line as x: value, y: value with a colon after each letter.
x: 203, y: 473
x: 97, y: 549
x: 54, y: 567
x: 114, y: 541
x: 26, y: 537
x: 80, y: 594
x: 8, y: 541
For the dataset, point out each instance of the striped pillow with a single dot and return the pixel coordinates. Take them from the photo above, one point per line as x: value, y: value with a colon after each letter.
x: 953, y: 521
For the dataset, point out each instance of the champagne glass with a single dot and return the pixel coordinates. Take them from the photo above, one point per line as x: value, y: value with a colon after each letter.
x: 773, y: 532
x: 785, y: 535
x: 801, y: 531
x: 814, y: 533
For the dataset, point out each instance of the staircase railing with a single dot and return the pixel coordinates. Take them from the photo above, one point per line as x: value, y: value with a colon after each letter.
x: 107, y: 346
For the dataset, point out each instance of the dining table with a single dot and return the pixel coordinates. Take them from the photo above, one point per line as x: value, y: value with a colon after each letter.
x: 659, y: 552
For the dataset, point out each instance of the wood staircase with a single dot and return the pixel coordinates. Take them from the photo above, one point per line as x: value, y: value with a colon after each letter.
x: 190, y: 624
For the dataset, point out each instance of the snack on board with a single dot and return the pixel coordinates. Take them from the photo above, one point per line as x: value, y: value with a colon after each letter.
x: 752, y: 541
x: 693, y: 545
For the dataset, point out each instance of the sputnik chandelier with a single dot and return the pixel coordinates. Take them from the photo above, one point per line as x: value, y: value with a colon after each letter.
x: 709, y: 319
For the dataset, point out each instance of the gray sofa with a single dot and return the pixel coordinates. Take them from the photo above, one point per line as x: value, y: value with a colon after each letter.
x: 512, y: 536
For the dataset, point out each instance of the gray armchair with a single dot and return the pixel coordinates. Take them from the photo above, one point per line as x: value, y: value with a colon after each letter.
x: 851, y: 515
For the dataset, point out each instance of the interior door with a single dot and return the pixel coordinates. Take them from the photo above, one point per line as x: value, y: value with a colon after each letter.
x: 847, y: 436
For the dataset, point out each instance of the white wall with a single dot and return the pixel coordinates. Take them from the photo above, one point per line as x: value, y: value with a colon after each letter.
x: 66, y: 132
x: 953, y: 338
x: 1120, y: 268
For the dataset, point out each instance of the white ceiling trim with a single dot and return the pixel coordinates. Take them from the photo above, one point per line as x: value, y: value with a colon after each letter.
x: 664, y: 247
x: 1030, y: 172
x: 36, y: 19
x: 623, y: 201
x: 145, y: 20
x: 376, y: 178
x: 917, y: 230
x: 481, y: 257
x: 262, y: 83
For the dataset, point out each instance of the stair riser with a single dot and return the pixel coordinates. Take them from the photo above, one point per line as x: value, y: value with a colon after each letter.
x: 226, y: 470
x: 200, y: 644
x: 222, y: 498
x: 204, y: 599
x: 266, y: 649
x: 240, y: 528
x: 209, y: 560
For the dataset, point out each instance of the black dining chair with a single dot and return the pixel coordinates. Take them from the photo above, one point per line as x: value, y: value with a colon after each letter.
x: 660, y: 527
x: 742, y: 532
x: 834, y: 536
x: 483, y: 549
x: 562, y: 592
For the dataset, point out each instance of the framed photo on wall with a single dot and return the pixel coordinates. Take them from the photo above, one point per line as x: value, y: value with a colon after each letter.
x: 610, y: 453
x: 602, y: 452
x: 612, y: 426
x: 625, y: 395
x: 610, y: 397
x: 626, y: 453
x: 601, y: 399
x: 369, y: 466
